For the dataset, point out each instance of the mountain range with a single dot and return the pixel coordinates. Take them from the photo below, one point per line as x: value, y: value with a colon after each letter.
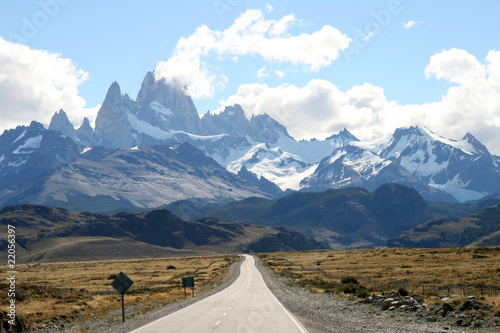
x: 156, y: 149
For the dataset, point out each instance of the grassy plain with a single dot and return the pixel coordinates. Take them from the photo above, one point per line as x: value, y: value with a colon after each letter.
x: 73, y: 292
x: 430, y: 272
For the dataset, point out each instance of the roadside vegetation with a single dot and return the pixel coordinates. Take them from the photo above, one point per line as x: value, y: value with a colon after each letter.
x: 432, y: 273
x: 63, y: 294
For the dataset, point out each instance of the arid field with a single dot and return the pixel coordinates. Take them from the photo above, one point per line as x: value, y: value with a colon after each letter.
x: 430, y: 272
x: 75, y: 292
x: 78, y: 291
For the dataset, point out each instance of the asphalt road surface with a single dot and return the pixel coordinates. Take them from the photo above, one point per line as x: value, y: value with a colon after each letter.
x: 245, y: 306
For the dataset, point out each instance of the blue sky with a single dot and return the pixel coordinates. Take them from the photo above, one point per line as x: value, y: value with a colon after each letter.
x: 381, y: 78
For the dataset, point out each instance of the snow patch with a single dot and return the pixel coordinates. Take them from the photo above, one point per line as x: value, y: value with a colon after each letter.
x: 17, y: 163
x: 86, y: 149
x: 29, y: 145
x: 20, y: 136
x: 157, y: 133
x: 156, y: 106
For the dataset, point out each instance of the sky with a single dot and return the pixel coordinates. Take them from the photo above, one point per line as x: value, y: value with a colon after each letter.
x: 315, y: 66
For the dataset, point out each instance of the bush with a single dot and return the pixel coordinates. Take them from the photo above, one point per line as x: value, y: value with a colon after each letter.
x: 349, y: 280
x: 171, y: 267
x: 112, y: 276
x: 403, y: 292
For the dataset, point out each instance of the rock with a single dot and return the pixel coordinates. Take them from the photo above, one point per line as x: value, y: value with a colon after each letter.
x: 469, y: 304
x: 386, y: 304
x: 418, y: 299
x: 431, y: 319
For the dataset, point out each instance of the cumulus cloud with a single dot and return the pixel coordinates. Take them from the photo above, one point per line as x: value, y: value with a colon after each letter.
x: 250, y: 34
x: 320, y: 108
x: 34, y: 84
x: 456, y: 66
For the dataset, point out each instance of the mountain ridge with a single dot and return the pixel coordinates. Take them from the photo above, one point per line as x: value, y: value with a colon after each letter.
x: 45, y: 234
x: 256, y: 147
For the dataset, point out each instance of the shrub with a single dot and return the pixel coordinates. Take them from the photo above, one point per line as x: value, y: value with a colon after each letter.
x: 403, y: 292
x: 170, y: 267
x: 348, y: 280
x: 112, y: 276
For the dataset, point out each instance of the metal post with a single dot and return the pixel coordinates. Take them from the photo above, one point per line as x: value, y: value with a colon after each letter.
x: 192, y: 289
x: 185, y: 295
x: 123, y: 309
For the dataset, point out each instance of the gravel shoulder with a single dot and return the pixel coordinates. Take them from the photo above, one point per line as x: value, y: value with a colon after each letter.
x: 322, y: 313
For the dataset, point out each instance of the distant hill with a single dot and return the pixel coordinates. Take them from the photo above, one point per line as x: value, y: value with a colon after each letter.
x: 344, y: 218
x: 479, y: 229
x: 47, y: 234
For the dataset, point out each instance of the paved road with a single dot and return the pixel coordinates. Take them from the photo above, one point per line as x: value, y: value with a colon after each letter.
x: 244, y: 307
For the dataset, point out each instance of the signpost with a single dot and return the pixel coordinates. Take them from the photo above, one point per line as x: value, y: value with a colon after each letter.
x: 188, y: 282
x: 122, y: 283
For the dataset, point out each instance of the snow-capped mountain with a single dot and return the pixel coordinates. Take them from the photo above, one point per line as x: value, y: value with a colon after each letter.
x: 463, y: 168
x: 257, y: 150
x: 144, y: 177
x: 28, y: 151
x: 415, y: 157
x: 354, y: 166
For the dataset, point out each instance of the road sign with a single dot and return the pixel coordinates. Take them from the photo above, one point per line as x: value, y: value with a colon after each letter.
x: 122, y: 283
x: 188, y: 282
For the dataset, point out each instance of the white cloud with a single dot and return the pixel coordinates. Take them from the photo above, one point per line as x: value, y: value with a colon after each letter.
x: 250, y: 34
x: 316, y: 110
x: 320, y: 109
x: 34, y: 84
x: 457, y: 66
x: 269, y: 8
x: 410, y: 24
x: 261, y: 73
x: 280, y: 74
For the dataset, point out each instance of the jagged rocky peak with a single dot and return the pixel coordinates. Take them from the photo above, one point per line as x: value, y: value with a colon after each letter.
x: 86, y: 135
x: 114, y: 94
x: 231, y: 121
x: 480, y: 148
x: 167, y: 105
x: 346, y: 134
x: 342, y: 138
x: 112, y: 126
x: 61, y: 123
x: 267, y: 129
x: 85, y: 125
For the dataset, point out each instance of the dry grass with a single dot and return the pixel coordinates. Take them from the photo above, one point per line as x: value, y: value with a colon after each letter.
x: 430, y: 272
x: 77, y: 291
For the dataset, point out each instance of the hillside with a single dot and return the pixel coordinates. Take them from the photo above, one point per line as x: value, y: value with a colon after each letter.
x: 46, y: 234
x: 479, y: 229
x: 344, y: 218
